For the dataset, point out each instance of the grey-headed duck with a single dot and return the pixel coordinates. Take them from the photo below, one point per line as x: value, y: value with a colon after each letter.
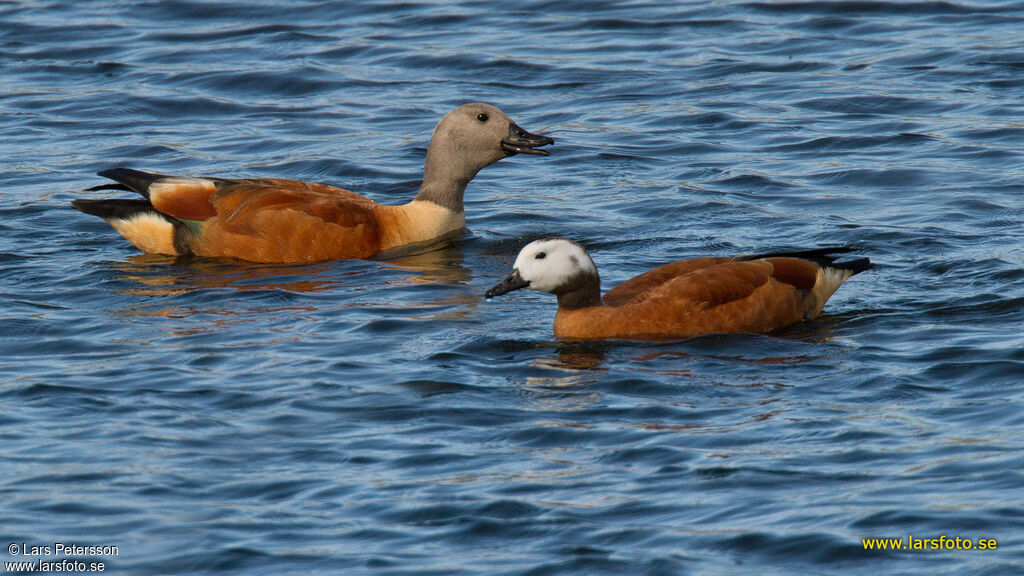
x: 275, y: 220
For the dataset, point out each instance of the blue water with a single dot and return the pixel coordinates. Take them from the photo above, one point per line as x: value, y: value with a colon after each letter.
x: 379, y: 417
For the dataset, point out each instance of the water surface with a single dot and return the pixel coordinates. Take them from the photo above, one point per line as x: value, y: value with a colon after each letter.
x: 379, y: 417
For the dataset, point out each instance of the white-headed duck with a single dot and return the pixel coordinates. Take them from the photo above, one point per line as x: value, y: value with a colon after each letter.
x: 682, y: 299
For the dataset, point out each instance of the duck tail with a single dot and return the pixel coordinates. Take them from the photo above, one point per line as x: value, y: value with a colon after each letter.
x: 129, y: 180
x: 140, y: 223
x: 832, y: 275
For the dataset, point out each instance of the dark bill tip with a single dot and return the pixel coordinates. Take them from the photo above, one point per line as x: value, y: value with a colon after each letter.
x: 519, y: 149
x: 513, y: 282
x: 520, y: 141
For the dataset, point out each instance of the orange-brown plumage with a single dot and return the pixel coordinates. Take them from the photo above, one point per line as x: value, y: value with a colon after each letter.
x: 271, y: 220
x: 639, y: 285
x: 681, y: 299
x: 276, y: 220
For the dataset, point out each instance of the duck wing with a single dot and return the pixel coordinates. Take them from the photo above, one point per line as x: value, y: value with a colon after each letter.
x: 272, y: 220
x: 640, y: 286
x: 258, y: 219
x: 748, y: 296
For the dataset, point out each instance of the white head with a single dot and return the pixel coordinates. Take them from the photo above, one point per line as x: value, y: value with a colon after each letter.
x: 554, y: 265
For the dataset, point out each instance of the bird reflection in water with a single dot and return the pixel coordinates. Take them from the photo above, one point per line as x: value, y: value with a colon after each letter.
x: 155, y: 275
x: 707, y: 366
x: 437, y: 265
x: 573, y: 365
x: 169, y: 276
x: 591, y: 354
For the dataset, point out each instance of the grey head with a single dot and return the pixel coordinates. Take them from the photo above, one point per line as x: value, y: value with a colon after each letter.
x: 468, y: 139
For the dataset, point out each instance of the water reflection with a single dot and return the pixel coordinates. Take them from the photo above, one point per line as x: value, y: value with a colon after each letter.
x: 756, y: 349
x: 579, y: 356
x: 710, y: 366
x: 157, y: 275
x: 274, y: 288
x: 573, y: 365
x: 440, y: 266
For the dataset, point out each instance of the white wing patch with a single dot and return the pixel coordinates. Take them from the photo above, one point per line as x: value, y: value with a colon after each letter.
x: 148, y: 231
x: 828, y: 281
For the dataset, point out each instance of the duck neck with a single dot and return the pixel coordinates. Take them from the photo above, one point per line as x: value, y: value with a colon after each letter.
x: 445, y: 194
x: 444, y: 182
x: 583, y: 293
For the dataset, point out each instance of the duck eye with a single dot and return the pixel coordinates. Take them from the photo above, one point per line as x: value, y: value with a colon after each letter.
x: 481, y: 117
x: 541, y: 255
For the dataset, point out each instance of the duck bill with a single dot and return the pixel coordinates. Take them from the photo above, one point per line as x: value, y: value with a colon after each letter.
x: 513, y: 282
x: 520, y: 141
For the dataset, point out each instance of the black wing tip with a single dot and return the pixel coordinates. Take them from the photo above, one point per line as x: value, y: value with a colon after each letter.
x: 824, y: 257
x: 854, y: 266
x: 112, y: 208
x: 816, y: 253
x: 114, y: 186
x: 120, y: 172
x: 128, y: 179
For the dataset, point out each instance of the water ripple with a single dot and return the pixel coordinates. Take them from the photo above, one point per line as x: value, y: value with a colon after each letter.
x: 381, y: 417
